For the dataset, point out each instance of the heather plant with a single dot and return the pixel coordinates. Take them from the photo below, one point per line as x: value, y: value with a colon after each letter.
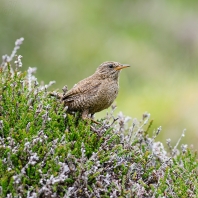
x: 46, y: 152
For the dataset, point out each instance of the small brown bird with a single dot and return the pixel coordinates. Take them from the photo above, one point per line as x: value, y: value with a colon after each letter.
x: 97, y: 92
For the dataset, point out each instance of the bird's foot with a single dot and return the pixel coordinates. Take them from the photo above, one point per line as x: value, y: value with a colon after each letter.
x: 104, y: 127
x: 85, y: 116
x: 92, y: 120
x: 98, y: 131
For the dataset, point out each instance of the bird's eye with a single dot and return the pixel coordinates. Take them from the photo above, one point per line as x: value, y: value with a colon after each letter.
x: 110, y: 65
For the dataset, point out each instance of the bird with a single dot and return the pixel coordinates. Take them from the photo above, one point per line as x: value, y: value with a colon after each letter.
x: 96, y: 92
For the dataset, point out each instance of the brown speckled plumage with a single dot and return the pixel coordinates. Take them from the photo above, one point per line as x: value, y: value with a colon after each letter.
x: 97, y: 92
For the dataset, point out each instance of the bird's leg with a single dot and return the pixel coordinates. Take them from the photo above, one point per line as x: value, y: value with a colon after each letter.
x: 85, y: 116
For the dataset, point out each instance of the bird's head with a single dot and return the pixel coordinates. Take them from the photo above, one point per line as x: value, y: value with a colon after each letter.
x: 110, y: 69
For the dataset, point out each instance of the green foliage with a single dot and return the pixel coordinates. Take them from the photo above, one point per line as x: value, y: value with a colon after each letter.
x: 46, y: 152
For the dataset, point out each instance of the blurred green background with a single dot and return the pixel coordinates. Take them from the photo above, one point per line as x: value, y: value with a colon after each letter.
x: 67, y: 40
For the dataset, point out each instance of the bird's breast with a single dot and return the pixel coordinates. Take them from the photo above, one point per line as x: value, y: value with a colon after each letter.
x: 106, y: 95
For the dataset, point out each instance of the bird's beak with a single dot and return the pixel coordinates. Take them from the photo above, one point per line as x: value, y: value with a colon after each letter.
x: 122, y: 66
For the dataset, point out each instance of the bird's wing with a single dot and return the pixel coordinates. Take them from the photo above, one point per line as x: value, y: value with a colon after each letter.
x: 84, y: 87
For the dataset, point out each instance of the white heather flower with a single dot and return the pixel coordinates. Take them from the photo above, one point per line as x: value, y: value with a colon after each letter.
x: 184, y: 147
x: 18, y: 62
x: 30, y: 77
x: 159, y: 151
x: 18, y: 42
x: 5, y: 60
